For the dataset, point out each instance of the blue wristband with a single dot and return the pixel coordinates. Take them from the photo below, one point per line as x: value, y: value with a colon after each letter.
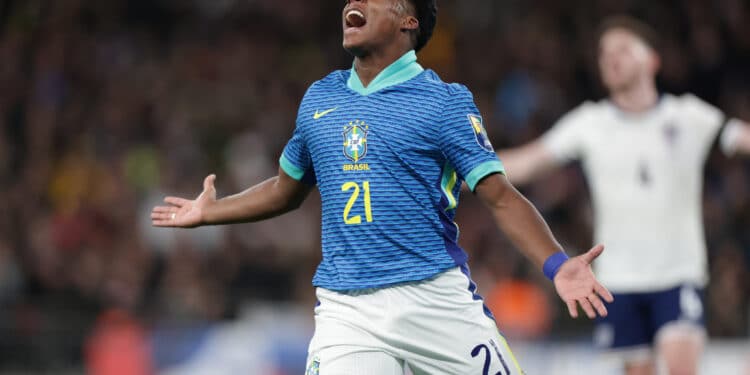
x: 553, y: 264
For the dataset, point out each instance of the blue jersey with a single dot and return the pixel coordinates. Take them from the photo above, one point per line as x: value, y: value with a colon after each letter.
x: 389, y: 163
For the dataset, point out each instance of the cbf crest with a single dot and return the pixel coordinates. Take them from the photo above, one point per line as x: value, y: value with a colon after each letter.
x: 480, y: 133
x: 355, y: 140
x: 313, y: 368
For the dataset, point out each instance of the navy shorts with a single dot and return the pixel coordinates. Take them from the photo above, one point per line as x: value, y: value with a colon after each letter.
x: 634, y: 319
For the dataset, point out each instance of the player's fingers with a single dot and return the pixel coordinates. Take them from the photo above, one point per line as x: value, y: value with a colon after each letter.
x: 604, y: 293
x: 598, y: 304
x: 586, y: 306
x: 179, y: 202
x: 208, y: 183
x: 162, y: 216
x: 164, y: 209
x: 592, y: 254
x: 161, y: 223
x: 572, y: 308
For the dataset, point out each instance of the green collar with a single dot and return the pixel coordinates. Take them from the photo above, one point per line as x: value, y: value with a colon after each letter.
x: 402, y: 70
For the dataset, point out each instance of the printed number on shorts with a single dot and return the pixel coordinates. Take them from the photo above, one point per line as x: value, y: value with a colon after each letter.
x: 484, y: 349
x: 357, y: 219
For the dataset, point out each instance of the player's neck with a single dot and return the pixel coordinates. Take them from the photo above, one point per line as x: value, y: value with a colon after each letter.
x: 368, y: 66
x: 636, y: 99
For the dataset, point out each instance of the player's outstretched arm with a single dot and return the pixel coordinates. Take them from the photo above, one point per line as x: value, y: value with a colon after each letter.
x: 522, y: 223
x: 267, y: 199
x: 528, y: 162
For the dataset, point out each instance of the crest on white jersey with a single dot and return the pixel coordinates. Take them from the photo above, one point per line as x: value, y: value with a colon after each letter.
x: 313, y: 368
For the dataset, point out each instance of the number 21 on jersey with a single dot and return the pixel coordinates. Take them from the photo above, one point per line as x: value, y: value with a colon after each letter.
x: 354, y: 187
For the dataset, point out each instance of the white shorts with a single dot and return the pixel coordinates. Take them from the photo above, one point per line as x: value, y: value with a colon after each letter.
x: 436, y: 326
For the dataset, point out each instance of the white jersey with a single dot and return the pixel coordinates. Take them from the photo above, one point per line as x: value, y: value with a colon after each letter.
x: 645, y: 172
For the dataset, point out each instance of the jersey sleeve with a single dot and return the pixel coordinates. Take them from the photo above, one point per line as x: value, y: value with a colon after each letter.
x: 705, y: 121
x: 295, y: 160
x: 464, y: 141
x: 565, y: 140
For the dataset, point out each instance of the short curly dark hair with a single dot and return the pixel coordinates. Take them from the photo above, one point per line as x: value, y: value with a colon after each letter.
x: 427, y: 16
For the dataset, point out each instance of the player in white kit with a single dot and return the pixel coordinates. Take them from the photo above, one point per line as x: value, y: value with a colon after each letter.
x: 643, y: 155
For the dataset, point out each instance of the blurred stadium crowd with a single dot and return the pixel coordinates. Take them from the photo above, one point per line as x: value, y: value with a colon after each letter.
x: 107, y: 106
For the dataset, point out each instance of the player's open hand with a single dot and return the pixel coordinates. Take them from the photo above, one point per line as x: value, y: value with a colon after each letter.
x: 183, y: 212
x: 576, y: 285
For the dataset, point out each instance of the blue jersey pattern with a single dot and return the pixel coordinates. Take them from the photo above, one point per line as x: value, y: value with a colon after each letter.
x: 389, y: 168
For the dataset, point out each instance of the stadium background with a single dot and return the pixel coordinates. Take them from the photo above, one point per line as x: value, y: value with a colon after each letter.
x: 106, y: 106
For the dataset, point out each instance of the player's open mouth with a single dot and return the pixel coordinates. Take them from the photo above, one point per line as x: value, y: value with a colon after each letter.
x: 355, y: 19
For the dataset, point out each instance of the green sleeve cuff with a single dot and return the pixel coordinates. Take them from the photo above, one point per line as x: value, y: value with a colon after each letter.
x: 292, y: 170
x: 483, y: 170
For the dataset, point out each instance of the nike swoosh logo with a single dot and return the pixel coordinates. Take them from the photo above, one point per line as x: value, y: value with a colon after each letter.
x: 318, y: 115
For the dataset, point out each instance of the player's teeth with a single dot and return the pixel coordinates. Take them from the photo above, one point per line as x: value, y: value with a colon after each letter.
x: 355, y: 16
x: 355, y: 13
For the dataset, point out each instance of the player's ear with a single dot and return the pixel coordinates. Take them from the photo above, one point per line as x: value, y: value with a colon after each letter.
x: 409, y: 23
x: 655, y: 62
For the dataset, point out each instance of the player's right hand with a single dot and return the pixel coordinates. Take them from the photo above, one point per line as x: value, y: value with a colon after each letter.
x: 185, y: 213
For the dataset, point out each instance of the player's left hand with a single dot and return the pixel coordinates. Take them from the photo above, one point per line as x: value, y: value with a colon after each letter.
x: 577, y: 285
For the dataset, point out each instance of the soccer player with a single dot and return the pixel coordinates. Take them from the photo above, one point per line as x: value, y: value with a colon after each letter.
x: 388, y: 145
x: 643, y: 155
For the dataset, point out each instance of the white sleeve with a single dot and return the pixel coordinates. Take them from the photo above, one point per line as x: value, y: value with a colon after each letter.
x: 565, y: 140
x: 730, y: 137
x: 704, y: 120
